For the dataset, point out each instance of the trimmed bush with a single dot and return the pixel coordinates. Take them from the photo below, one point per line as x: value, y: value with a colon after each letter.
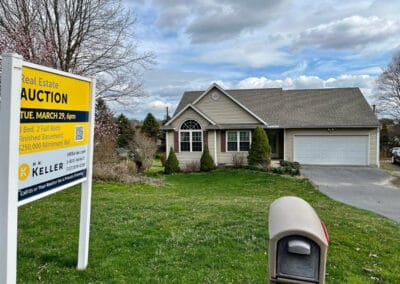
x: 295, y: 172
x: 293, y: 165
x: 206, y: 162
x: 260, y: 150
x: 171, y: 164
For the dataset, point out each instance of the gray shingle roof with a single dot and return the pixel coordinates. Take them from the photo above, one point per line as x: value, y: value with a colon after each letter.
x: 312, y: 108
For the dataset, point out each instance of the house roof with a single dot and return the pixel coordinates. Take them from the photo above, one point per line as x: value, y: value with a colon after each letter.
x: 308, y: 108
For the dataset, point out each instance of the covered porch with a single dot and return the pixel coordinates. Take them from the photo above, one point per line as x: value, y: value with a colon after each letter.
x: 229, y: 141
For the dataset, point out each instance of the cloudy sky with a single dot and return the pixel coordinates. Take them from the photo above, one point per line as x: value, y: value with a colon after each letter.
x: 260, y: 44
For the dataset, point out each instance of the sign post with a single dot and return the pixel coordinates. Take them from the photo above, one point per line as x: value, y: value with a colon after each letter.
x: 9, y: 129
x: 46, y: 145
x: 86, y: 195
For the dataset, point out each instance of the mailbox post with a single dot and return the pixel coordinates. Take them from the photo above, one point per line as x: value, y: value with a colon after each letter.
x: 298, y: 242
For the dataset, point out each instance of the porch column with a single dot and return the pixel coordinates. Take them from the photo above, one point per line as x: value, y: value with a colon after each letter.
x: 166, y: 144
x: 284, y: 144
x: 215, y: 148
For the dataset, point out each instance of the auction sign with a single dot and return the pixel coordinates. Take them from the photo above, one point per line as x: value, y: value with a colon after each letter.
x: 54, y: 132
x: 46, y: 145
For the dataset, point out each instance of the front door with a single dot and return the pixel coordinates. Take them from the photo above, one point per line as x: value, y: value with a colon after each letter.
x: 275, y: 137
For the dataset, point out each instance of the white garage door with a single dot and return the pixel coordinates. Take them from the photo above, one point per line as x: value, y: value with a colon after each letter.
x: 331, y: 150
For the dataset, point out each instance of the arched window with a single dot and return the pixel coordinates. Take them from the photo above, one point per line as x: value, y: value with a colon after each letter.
x: 191, y: 137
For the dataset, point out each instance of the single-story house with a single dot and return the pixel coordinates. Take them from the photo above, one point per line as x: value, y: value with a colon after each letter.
x: 317, y: 126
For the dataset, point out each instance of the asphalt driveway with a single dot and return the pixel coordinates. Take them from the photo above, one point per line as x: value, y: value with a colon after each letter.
x: 363, y: 187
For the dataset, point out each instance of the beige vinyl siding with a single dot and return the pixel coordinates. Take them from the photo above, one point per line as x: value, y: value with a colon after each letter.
x: 189, y: 114
x: 185, y: 158
x: 373, y: 152
x: 224, y: 110
x: 170, y: 141
x: 227, y: 157
x: 211, y: 145
x: 190, y: 157
x: 372, y: 133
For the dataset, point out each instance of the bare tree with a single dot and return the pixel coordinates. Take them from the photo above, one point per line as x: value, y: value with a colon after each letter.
x: 86, y: 37
x: 388, y: 83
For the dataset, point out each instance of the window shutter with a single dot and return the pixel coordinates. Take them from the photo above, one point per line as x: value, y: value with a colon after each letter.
x: 205, y: 137
x: 176, y: 141
x: 223, y: 141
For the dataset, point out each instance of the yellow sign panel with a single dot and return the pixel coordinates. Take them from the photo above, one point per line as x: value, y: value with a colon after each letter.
x: 44, y: 90
x: 36, y: 137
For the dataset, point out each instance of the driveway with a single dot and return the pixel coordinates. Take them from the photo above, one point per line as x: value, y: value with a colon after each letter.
x: 363, y: 187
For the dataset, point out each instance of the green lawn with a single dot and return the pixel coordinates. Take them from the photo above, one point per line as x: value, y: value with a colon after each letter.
x: 198, y: 228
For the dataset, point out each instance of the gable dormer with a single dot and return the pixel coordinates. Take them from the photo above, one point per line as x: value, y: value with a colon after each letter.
x: 223, y: 108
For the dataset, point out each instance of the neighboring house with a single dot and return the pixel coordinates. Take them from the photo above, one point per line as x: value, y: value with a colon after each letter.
x: 316, y: 126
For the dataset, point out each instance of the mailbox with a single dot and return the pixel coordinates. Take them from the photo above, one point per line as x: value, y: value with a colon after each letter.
x: 298, y: 242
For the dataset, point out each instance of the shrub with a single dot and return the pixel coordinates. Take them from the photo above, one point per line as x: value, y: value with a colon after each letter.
x: 191, y: 167
x: 206, y: 162
x: 163, y: 159
x: 171, y: 164
x: 238, y: 160
x: 104, y: 150
x: 119, y: 172
x: 144, y: 150
x: 293, y: 165
x: 295, y: 172
x: 260, y: 150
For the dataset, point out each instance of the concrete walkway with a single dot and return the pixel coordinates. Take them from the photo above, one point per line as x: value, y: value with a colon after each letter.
x: 363, y: 187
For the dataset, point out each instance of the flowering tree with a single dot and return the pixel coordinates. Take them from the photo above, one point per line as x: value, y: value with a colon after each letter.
x: 106, y: 126
x: 105, y: 134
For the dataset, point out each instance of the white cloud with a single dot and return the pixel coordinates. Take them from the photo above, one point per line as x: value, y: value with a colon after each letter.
x: 301, y: 82
x: 364, y: 82
x: 169, y: 96
x: 351, y: 32
x: 309, y: 82
x: 159, y: 105
x: 347, y: 80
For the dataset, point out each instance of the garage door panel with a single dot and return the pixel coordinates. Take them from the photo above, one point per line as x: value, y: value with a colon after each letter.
x: 331, y: 150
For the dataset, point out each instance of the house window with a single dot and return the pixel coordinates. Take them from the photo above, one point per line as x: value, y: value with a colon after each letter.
x: 191, y: 137
x: 238, y: 140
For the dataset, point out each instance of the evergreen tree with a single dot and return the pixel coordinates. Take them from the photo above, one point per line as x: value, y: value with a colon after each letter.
x: 172, y: 163
x: 151, y: 127
x: 126, y: 131
x: 206, y: 162
x: 260, y: 150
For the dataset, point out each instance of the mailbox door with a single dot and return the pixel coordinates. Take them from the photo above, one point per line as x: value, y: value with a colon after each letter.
x: 298, y: 258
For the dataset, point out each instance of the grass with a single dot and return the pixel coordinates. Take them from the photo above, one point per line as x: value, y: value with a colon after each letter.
x: 198, y: 228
